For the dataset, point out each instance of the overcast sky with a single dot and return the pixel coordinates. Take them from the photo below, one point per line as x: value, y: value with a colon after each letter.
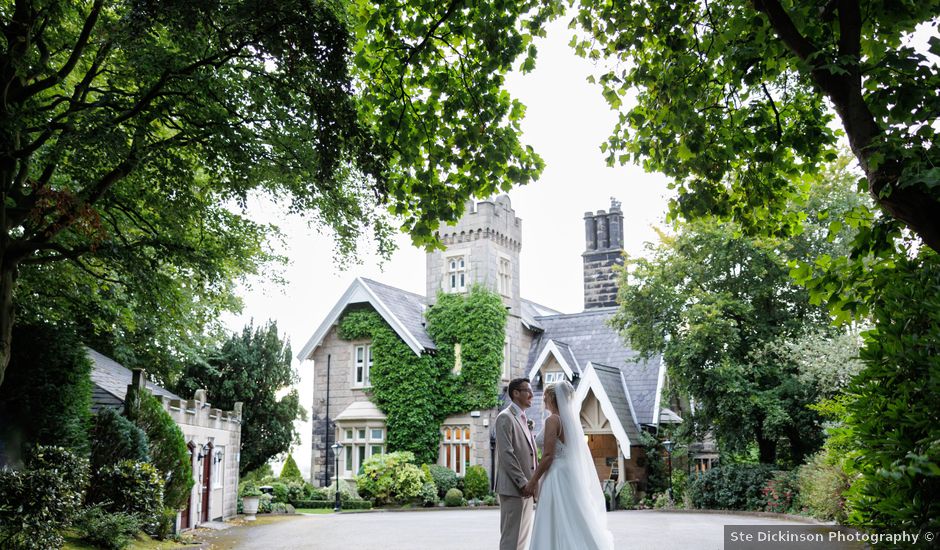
x: 566, y: 121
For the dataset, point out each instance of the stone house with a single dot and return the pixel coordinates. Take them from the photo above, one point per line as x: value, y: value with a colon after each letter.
x: 212, y: 435
x: 619, y: 397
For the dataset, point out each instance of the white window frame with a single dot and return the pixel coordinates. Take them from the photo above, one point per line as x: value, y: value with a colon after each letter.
x: 552, y: 377
x: 359, y: 442
x: 365, y: 364
x: 504, y: 275
x: 218, y: 467
x: 456, y: 272
x: 456, y: 448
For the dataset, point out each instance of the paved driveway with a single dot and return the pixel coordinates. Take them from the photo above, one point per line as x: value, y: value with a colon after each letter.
x: 468, y: 529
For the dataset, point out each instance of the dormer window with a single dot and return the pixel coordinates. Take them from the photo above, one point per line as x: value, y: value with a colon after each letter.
x: 456, y: 274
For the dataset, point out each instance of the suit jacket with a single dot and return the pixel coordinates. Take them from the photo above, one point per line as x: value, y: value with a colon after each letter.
x: 515, y: 453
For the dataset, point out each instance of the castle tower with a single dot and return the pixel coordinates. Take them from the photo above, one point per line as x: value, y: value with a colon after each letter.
x: 603, y: 249
x: 483, y: 248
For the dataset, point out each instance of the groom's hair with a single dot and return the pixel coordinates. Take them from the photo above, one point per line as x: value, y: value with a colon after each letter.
x: 515, y: 385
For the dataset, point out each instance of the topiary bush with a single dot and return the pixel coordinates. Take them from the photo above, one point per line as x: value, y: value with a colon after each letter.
x: 731, y: 487
x: 290, y: 471
x: 115, y: 438
x: 454, y: 497
x: 391, y: 477
x: 108, y: 530
x: 38, y: 502
x: 476, y: 483
x: 132, y: 487
x: 444, y: 479
x: 168, y: 450
x: 428, y: 495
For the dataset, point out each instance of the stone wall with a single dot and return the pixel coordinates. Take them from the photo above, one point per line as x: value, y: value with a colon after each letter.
x: 603, y: 249
x: 203, y: 425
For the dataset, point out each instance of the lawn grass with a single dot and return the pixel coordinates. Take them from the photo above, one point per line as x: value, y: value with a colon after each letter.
x: 314, y: 510
x: 143, y: 542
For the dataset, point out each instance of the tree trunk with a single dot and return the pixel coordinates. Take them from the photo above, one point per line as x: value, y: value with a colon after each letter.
x: 8, y: 272
x: 766, y: 450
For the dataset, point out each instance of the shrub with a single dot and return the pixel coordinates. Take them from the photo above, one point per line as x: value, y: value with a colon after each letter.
x: 822, y: 485
x: 731, y: 487
x: 264, y: 503
x: 108, y: 530
x: 454, y: 497
x: 626, y: 497
x: 166, y: 523
x: 428, y: 494
x: 168, y: 450
x: 489, y: 500
x: 390, y: 478
x: 115, y: 438
x: 282, y: 508
x: 314, y: 493
x: 781, y: 493
x: 249, y: 489
x: 290, y: 471
x: 258, y: 474
x: 476, y: 482
x: 38, y: 502
x: 280, y: 492
x: 132, y: 487
x: 345, y: 491
x: 444, y: 479
x: 662, y: 500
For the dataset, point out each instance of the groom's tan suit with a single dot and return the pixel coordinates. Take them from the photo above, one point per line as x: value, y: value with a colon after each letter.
x: 515, y: 463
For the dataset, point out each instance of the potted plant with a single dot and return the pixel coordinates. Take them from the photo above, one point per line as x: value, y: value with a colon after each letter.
x: 250, y: 494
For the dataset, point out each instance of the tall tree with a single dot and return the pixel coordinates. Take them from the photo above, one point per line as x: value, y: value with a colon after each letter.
x: 711, y: 300
x: 252, y: 367
x: 131, y: 132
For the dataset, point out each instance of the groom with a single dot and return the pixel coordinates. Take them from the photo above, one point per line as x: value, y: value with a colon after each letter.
x: 516, y: 460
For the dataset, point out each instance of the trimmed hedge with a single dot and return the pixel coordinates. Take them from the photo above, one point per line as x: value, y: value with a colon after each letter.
x: 321, y: 504
x: 168, y: 450
x: 731, y: 487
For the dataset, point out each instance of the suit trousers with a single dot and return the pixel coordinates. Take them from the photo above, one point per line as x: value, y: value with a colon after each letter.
x: 515, y: 522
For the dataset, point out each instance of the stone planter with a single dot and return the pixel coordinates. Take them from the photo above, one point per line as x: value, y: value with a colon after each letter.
x: 250, y: 507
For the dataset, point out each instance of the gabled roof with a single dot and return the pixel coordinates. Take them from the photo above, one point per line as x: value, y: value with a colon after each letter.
x: 111, y: 380
x: 607, y: 384
x: 591, y: 340
x: 402, y: 310
x: 562, y: 353
x: 532, y: 310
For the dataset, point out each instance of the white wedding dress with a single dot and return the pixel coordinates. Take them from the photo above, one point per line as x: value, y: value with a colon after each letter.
x: 570, y: 513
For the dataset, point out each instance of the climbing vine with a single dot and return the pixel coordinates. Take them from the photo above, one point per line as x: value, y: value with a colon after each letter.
x: 417, y: 393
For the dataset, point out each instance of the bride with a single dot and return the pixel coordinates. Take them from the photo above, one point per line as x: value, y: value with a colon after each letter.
x: 571, y: 512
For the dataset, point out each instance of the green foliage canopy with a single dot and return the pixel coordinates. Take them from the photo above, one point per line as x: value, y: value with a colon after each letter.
x: 251, y: 368
x: 734, y: 101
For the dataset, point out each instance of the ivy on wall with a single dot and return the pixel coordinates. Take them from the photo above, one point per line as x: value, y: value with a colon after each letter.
x: 418, y: 393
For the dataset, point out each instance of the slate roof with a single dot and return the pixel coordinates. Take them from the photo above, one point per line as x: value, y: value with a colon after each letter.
x: 611, y: 379
x: 532, y: 310
x: 592, y: 340
x: 407, y: 307
x: 111, y: 380
x: 568, y: 356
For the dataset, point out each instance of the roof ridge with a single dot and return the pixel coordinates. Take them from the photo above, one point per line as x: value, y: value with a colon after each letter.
x: 386, y: 285
x: 596, y: 311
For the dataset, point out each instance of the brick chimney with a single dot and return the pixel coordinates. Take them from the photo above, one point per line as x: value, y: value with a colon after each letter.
x: 603, y: 249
